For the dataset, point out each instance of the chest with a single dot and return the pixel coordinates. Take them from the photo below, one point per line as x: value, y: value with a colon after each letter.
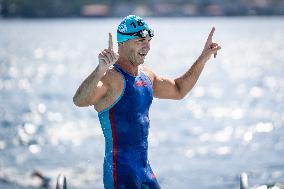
x: 138, y: 93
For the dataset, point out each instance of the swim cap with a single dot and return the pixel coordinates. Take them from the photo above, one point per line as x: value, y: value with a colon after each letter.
x: 132, y: 27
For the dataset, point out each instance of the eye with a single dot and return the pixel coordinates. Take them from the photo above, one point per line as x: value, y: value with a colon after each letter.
x: 141, y: 40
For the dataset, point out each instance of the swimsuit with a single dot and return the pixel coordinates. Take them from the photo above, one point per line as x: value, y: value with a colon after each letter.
x: 125, y: 127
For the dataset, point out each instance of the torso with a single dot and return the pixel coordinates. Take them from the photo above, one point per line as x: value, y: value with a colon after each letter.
x: 115, y: 82
x: 125, y: 124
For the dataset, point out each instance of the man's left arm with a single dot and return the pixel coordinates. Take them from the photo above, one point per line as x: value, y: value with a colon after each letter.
x: 179, y: 87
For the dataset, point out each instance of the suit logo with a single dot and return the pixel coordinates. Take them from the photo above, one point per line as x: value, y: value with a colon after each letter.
x: 141, y: 83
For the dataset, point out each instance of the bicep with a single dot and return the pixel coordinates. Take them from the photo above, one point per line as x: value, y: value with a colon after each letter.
x: 165, y: 88
x: 87, y: 97
x: 98, y: 93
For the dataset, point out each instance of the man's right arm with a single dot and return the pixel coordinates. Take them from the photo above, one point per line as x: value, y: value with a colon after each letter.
x: 95, y: 86
x: 92, y: 89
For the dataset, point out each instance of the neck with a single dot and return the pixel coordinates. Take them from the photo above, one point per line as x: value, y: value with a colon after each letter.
x: 128, y: 66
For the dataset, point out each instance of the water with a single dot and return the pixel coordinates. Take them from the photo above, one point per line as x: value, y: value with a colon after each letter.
x: 231, y: 122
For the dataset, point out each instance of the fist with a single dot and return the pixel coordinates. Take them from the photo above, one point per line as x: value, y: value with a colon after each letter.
x: 108, y: 57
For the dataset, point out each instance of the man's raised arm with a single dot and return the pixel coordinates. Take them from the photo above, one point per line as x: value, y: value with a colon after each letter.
x: 93, y: 87
x: 178, y: 88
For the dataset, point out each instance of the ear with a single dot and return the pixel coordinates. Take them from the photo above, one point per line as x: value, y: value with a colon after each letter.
x: 120, y: 47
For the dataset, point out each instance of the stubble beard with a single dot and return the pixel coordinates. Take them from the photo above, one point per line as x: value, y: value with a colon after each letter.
x: 135, y: 59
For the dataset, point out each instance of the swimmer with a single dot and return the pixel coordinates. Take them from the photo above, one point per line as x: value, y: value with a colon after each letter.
x: 121, y: 90
x: 45, y: 181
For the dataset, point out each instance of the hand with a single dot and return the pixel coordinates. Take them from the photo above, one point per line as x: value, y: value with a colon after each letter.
x: 210, y: 47
x: 108, y: 57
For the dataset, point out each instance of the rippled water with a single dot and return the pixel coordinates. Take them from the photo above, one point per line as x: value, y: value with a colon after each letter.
x: 231, y: 122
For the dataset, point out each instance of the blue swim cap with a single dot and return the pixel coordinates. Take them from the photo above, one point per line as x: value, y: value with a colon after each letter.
x: 132, y: 27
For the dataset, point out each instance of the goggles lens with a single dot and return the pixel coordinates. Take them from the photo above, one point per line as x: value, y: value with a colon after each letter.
x: 142, y: 33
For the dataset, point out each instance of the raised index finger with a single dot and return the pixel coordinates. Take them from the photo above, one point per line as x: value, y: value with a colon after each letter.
x: 211, y: 34
x: 110, y: 43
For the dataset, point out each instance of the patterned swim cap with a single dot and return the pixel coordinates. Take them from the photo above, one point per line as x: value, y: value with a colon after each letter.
x: 132, y: 27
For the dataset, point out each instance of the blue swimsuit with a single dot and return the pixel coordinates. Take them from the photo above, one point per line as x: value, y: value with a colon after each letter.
x: 125, y: 127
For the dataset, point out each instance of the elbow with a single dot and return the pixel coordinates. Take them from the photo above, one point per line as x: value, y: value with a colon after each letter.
x: 78, y: 103
x: 179, y: 93
x: 179, y: 96
x: 75, y: 101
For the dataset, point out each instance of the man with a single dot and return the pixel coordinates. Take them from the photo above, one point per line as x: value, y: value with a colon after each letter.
x: 122, y: 91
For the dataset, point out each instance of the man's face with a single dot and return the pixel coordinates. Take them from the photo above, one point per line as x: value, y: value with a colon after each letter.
x: 137, y: 49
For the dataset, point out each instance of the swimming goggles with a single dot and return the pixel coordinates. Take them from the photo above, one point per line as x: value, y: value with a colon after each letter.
x: 142, y: 33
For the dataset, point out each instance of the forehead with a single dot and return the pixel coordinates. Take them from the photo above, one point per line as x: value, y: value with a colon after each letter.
x: 141, y: 38
x: 133, y: 41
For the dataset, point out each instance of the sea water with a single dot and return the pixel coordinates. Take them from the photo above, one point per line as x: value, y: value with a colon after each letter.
x: 232, y: 121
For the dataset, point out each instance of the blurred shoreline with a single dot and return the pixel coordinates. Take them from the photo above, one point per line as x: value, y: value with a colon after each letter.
x: 151, y: 8
x: 152, y: 17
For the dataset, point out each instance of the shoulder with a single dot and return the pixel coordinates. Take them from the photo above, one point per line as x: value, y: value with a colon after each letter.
x: 148, y: 72
x: 112, y: 76
x: 112, y: 80
x: 112, y: 83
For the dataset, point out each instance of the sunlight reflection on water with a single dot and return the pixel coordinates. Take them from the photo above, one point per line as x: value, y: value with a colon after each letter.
x: 231, y: 122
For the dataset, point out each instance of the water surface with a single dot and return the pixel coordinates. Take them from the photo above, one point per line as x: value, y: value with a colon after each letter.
x: 232, y: 121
